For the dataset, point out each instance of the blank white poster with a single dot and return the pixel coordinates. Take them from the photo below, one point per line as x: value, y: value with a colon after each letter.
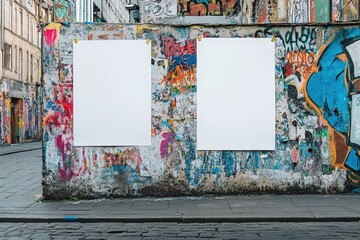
x: 235, y: 94
x: 112, y: 93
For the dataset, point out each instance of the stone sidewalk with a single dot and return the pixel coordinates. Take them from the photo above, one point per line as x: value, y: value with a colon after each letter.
x: 20, y: 201
x: 17, y: 148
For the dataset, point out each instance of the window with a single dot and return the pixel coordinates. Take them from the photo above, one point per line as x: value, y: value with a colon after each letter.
x: 16, y: 20
x: 37, y: 10
x: 31, y: 68
x: 28, y: 27
x: 11, y: 15
x: 39, y: 39
x: 46, y: 15
x: 38, y: 70
x: 35, y: 35
x: 21, y: 23
x: 31, y: 31
x: 27, y: 66
x: 20, y: 64
x: 15, y: 59
x: 7, y: 56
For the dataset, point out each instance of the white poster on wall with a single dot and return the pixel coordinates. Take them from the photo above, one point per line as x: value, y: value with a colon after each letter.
x: 235, y: 94
x: 112, y: 93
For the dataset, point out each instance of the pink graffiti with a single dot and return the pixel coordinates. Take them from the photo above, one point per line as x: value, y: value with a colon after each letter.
x: 172, y: 48
x: 59, y: 123
x: 164, y: 145
x: 50, y: 36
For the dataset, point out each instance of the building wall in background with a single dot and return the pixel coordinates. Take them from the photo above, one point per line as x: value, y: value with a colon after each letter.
x: 113, y: 11
x: 21, y: 68
x: 248, y: 11
x: 315, y: 85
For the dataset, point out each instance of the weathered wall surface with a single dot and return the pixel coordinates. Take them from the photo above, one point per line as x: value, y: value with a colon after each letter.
x: 315, y: 83
x: 249, y: 11
x: 25, y: 124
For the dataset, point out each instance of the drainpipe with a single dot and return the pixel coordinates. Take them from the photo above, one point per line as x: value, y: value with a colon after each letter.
x: 2, y: 13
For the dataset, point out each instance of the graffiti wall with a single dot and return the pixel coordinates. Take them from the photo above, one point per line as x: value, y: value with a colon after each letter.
x: 21, y: 111
x: 64, y: 10
x: 317, y: 133
x: 250, y: 11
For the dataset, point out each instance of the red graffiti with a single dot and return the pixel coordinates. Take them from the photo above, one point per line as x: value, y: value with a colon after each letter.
x: 59, y: 123
x: 172, y: 48
x: 263, y: 14
x: 50, y: 36
x: 300, y: 61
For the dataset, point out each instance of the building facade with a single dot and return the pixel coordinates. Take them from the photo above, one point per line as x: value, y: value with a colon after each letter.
x: 1, y: 36
x: 112, y: 11
x: 21, y: 69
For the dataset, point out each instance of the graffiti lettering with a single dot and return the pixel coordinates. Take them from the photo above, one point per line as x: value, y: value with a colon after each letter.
x: 171, y: 48
x: 305, y: 39
x: 302, y: 62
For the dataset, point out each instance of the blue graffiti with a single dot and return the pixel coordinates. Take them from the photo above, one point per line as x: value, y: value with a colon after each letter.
x: 206, y: 2
x: 186, y: 60
x: 327, y: 88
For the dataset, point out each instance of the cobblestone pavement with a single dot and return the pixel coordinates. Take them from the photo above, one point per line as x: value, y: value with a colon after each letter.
x: 309, y: 230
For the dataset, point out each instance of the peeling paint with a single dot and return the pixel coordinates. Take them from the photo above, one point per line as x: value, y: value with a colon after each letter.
x: 313, y: 119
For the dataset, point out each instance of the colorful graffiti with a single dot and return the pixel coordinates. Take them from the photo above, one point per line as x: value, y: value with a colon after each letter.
x: 317, y: 101
x: 332, y: 89
x: 256, y: 11
x: 250, y: 11
x: 64, y: 10
x: 336, y: 14
x: 20, y: 115
x: 320, y: 11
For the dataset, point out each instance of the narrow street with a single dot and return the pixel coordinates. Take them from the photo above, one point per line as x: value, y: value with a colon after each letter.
x: 154, y: 231
x: 20, y: 185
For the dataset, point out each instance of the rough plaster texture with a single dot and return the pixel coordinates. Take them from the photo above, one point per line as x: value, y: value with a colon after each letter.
x: 248, y: 11
x: 313, y: 88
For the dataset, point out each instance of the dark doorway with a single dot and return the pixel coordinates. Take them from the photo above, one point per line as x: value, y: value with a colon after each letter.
x: 16, y: 116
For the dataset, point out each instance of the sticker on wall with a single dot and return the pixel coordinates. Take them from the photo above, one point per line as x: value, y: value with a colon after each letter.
x: 235, y: 94
x: 112, y: 93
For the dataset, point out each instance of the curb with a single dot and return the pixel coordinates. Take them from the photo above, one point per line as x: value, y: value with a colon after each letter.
x: 19, y: 151
x: 175, y: 219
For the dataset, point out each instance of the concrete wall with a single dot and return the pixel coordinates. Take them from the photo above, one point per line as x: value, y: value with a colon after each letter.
x: 314, y: 85
x: 248, y: 11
